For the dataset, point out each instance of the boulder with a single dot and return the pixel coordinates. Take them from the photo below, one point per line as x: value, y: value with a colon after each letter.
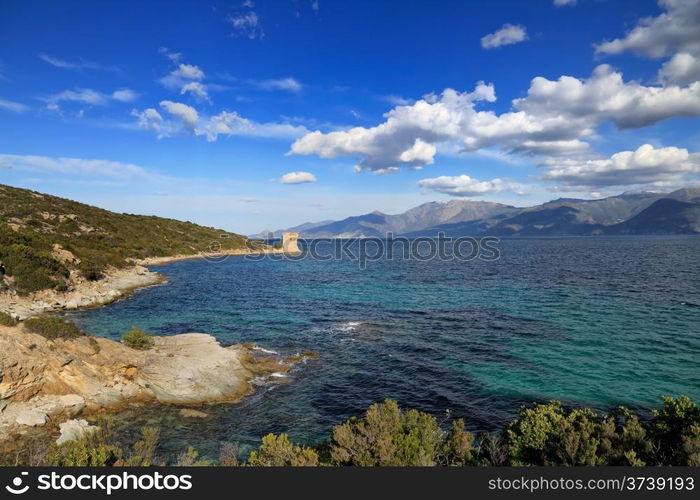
x: 74, y: 429
x: 31, y: 418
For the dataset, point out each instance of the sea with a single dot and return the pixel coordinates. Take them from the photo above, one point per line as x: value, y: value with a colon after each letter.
x: 595, y: 321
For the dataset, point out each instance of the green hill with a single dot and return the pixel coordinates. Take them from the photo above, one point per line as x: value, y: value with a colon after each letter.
x: 44, y: 238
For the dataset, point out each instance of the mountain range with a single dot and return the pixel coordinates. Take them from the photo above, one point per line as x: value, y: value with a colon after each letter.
x: 677, y: 212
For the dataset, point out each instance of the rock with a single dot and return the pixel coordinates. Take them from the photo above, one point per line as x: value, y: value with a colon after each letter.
x: 191, y: 413
x: 74, y: 429
x: 39, y: 384
x: 31, y: 418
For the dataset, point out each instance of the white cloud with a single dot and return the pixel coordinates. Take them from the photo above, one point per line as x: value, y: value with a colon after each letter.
x: 675, y: 30
x: 646, y: 165
x: 463, y: 185
x: 227, y: 123
x: 247, y: 25
x: 90, y: 96
x: 73, y: 166
x: 297, y: 178
x: 675, y: 33
x: 196, y: 89
x: 421, y: 153
x: 60, y: 63
x: 151, y: 119
x: 86, y: 96
x: 507, y: 35
x: 188, y: 72
x: 289, y: 84
x: 231, y: 123
x: 13, y: 106
x: 552, y: 119
x: 124, y: 95
x: 186, y: 114
x: 683, y: 69
x: 560, y: 3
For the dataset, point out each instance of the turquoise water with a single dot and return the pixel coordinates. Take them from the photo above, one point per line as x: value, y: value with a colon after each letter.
x: 595, y: 321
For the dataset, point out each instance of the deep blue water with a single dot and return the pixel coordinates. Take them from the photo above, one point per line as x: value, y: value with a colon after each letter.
x: 595, y: 321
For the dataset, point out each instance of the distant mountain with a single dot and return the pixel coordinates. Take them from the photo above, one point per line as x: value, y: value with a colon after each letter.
x: 665, y: 216
x: 561, y: 217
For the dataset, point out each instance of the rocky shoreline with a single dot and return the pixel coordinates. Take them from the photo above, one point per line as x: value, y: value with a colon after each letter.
x: 47, y: 382
x: 116, y: 284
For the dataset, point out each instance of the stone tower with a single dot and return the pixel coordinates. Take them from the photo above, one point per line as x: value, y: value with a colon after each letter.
x: 289, y: 243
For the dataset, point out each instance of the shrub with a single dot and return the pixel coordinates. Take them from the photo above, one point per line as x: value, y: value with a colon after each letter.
x: 228, y: 455
x: 138, y: 339
x: 277, y: 451
x: 7, y: 319
x: 676, y: 430
x: 549, y: 435
x: 53, y: 328
x: 386, y: 436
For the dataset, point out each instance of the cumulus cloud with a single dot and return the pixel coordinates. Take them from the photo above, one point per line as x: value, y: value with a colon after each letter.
x: 13, y: 106
x: 73, y: 166
x: 683, y: 69
x: 186, y: 114
x: 675, y: 33
x: 463, y: 185
x: 507, y: 35
x: 297, y: 178
x: 188, y: 72
x: 198, y: 90
x: 560, y: 3
x: 553, y: 119
x: 647, y: 165
x: 675, y: 30
x: 247, y: 25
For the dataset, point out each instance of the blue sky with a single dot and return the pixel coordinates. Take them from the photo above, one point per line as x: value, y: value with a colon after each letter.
x: 266, y: 114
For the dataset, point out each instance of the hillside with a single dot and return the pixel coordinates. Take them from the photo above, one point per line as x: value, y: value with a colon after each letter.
x: 665, y: 216
x: 43, y: 239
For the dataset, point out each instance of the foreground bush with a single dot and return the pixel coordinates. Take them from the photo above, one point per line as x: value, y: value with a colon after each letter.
x: 7, y: 319
x: 542, y: 434
x: 138, y: 339
x: 386, y: 436
x: 277, y: 451
x: 53, y: 328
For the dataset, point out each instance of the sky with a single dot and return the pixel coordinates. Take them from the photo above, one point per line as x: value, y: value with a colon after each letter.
x: 264, y: 114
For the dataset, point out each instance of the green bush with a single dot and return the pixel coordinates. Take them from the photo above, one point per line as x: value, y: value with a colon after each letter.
x: 676, y: 430
x: 386, y: 436
x: 53, y: 328
x: 7, y: 319
x: 277, y: 451
x: 138, y: 339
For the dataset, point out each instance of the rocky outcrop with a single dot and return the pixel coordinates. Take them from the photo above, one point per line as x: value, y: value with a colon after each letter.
x: 116, y: 284
x: 48, y: 381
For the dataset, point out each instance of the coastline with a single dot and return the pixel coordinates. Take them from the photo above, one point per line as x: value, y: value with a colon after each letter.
x: 117, y: 284
x: 48, y: 382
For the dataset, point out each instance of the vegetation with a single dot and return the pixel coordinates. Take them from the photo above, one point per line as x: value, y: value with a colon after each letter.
x: 36, y: 231
x: 7, y: 319
x: 53, y: 328
x: 138, y: 339
x: 542, y: 434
